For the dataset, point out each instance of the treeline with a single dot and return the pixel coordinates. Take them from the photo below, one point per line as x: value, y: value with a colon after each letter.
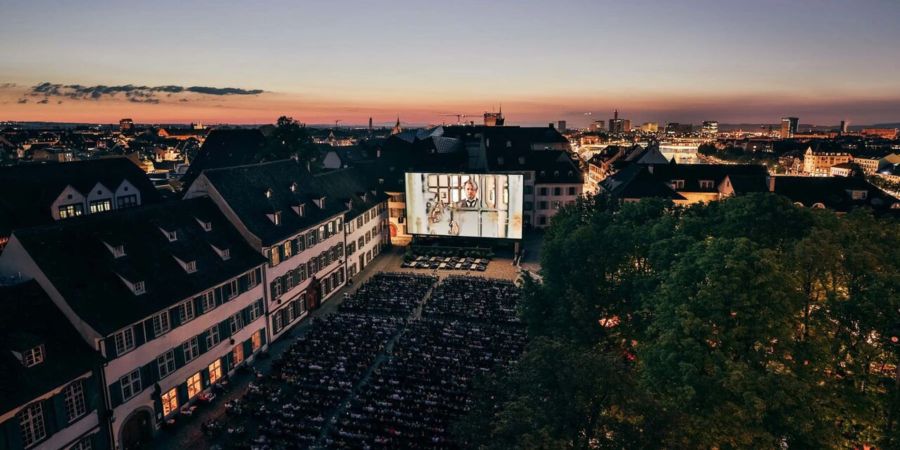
x: 747, y: 323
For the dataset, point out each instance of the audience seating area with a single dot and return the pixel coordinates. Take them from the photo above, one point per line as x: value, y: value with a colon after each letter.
x: 377, y: 374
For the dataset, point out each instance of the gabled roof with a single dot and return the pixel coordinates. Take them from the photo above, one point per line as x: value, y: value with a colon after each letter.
x: 244, y: 189
x: 28, y: 191
x: 89, y: 278
x: 635, y: 182
x: 225, y: 148
x: 832, y: 192
x: 349, y: 185
x: 29, y: 318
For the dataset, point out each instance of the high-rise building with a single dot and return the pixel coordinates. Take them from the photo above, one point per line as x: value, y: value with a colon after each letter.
x: 126, y: 126
x: 844, y: 126
x: 789, y: 127
x: 597, y: 125
x: 710, y: 127
x: 561, y: 126
x: 494, y: 119
x: 617, y: 125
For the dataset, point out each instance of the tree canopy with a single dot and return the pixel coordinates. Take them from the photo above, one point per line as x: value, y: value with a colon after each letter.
x: 289, y: 139
x: 740, y: 324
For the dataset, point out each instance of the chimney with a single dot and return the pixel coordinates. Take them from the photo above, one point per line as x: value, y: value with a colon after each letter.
x: 771, y: 183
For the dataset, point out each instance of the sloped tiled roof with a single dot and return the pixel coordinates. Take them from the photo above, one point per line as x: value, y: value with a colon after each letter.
x: 225, y: 148
x: 87, y: 275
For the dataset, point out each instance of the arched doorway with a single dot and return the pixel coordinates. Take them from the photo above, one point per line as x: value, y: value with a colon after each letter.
x: 137, y: 431
x: 313, y: 295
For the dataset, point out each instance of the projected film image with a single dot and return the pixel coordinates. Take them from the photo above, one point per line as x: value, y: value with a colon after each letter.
x: 470, y: 205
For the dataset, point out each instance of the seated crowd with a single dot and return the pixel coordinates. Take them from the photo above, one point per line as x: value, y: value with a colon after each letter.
x: 389, y: 293
x: 287, y: 409
x: 411, y: 401
x: 475, y: 298
x: 343, y: 384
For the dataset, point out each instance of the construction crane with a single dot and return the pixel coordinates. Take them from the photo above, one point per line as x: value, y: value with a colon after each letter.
x: 460, y: 116
x: 336, y: 123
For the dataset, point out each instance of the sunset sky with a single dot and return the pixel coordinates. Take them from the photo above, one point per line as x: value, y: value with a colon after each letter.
x: 321, y: 61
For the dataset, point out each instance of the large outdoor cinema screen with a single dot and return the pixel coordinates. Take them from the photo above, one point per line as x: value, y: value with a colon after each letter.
x: 470, y: 205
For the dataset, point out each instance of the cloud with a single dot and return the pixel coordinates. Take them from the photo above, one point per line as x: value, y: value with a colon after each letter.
x: 134, y: 93
x: 22, y: 101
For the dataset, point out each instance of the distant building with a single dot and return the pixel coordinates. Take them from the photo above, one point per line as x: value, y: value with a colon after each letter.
x: 617, y: 125
x: 789, y: 127
x: 819, y: 163
x: 710, y: 127
x: 843, y: 169
x: 126, y: 126
x: 884, y: 133
x: 494, y: 119
x: 872, y: 164
x: 844, y: 127
x: 397, y: 129
x: 649, y: 127
x: 561, y: 126
x: 675, y: 128
x: 597, y: 125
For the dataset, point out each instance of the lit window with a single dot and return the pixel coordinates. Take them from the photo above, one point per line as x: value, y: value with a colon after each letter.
x: 215, y: 371
x: 274, y: 257
x: 74, y: 400
x: 237, y: 355
x: 69, y: 211
x: 131, y: 384
x: 256, y: 341
x: 33, y: 356
x: 31, y: 422
x: 166, y: 363
x: 170, y: 401
x: 124, y: 341
x: 191, y: 348
x: 287, y: 249
x: 194, y: 385
x: 161, y: 323
x: 99, y: 206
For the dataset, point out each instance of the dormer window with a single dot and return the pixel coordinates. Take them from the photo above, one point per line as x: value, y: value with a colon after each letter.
x: 320, y: 202
x: 677, y: 184
x: 275, y: 217
x: 224, y: 253
x: 138, y: 287
x: 706, y: 184
x: 33, y: 356
x: 294, y: 187
x: 269, y: 193
x: 205, y: 224
x: 188, y: 266
x: 300, y: 209
x: 365, y: 197
x: 521, y: 160
x: 858, y: 195
x: 117, y: 250
x: 171, y: 235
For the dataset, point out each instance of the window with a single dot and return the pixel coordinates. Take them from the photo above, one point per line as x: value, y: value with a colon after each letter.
x: 252, y: 279
x: 74, y: 400
x: 276, y: 288
x: 131, y: 384
x: 98, y: 206
x: 706, y: 184
x: 33, y: 356
x: 31, y: 422
x: 69, y: 211
x: 542, y: 191
x: 124, y: 341
x: 138, y: 288
x: 256, y: 340
x: 212, y: 337
x: 215, y: 371
x: 274, y: 256
x: 287, y: 249
x: 528, y: 190
x: 233, y: 288
x: 126, y: 201
x: 191, y: 348
x: 275, y: 217
x: 165, y: 363
x: 186, y: 311
x: 543, y: 205
x: 677, y: 184
x: 542, y: 220
x: 171, y: 235
x: 310, y: 239
x: 170, y: 401
x: 571, y: 190
x: 209, y: 301
x: 84, y: 444
x: 528, y: 206
x: 255, y: 311
x: 236, y: 323
x: 161, y: 323
x: 190, y: 266
x: 557, y: 191
x: 277, y: 323
x: 194, y: 385
x: 237, y: 355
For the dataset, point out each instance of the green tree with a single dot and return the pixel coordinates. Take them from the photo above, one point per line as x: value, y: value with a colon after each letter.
x: 289, y: 139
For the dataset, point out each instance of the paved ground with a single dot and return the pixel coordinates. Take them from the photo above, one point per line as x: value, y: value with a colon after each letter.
x: 188, y: 435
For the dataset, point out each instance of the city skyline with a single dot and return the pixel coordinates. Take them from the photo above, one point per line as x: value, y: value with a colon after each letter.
x: 353, y: 60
